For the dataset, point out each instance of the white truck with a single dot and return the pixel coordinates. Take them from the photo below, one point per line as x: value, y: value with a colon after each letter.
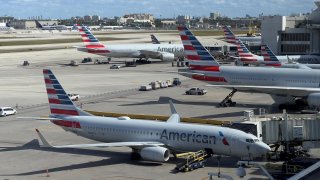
x: 74, y: 97
x: 196, y: 91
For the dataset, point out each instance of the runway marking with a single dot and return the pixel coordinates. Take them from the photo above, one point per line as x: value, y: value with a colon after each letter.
x: 126, y: 177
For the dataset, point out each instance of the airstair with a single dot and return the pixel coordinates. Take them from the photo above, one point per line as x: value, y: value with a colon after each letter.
x: 226, y: 102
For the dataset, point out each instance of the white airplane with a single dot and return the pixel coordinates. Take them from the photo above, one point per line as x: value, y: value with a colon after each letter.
x: 247, y: 57
x: 299, y: 85
x: 165, y: 52
x: 154, y: 40
x: 53, y: 27
x: 151, y: 140
x: 270, y: 59
x: 4, y: 27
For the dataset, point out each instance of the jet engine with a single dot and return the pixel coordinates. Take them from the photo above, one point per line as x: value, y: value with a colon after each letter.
x: 167, y: 57
x: 159, y: 154
x: 314, y: 100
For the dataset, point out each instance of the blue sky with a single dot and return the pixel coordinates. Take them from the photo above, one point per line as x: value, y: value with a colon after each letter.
x: 159, y: 8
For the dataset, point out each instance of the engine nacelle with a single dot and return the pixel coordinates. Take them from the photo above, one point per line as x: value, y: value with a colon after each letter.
x: 167, y: 57
x: 314, y: 100
x: 159, y: 154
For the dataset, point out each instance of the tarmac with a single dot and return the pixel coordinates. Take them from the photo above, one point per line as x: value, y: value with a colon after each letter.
x: 101, y: 89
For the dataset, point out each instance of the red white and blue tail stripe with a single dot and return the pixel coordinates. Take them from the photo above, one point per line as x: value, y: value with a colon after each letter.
x: 92, y: 44
x: 244, y: 53
x: 200, y: 60
x: 198, y: 56
x: 269, y: 57
x: 59, y: 101
x: 154, y: 40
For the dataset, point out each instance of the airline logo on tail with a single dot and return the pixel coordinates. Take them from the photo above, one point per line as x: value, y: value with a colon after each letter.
x: 154, y: 40
x: 199, y: 58
x: 59, y: 101
x: 269, y: 56
x: 243, y: 51
x: 224, y: 139
x: 194, y: 51
x: 93, y: 45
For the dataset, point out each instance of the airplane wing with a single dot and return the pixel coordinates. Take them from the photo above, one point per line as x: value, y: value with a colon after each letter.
x: 116, y: 144
x: 175, y: 117
x: 277, y: 90
x: 151, y: 54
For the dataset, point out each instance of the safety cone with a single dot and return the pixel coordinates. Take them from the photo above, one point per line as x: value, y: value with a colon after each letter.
x: 47, y: 171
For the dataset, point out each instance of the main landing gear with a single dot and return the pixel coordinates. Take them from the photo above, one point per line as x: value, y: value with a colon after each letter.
x: 227, y: 102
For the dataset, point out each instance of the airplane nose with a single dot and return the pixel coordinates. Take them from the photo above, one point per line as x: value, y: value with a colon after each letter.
x: 264, y: 148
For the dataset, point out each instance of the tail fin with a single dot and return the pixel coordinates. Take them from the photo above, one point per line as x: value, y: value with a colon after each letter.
x: 38, y: 25
x: 198, y: 56
x: 230, y: 37
x: 93, y: 45
x: 269, y: 57
x: 244, y: 53
x: 59, y: 101
x: 154, y: 40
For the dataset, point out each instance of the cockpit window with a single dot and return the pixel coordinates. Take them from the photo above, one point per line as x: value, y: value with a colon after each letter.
x: 249, y: 140
x: 252, y: 140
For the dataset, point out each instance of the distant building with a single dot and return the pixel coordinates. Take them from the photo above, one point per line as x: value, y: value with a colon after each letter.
x: 6, y: 19
x: 183, y: 19
x: 215, y: 15
x: 31, y: 24
x: 137, y: 18
x: 87, y: 18
x: 168, y: 22
x: 293, y: 35
x: 96, y: 18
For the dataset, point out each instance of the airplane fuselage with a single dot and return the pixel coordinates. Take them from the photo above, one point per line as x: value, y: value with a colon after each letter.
x: 177, y: 137
x: 284, y: 77
x: 135, y: 50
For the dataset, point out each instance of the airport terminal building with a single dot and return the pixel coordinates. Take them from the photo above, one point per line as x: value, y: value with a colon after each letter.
x: 293, y: 35
x: 31, y: 24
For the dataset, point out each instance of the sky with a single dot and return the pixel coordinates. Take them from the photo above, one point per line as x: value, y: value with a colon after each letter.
x: 159, y: 8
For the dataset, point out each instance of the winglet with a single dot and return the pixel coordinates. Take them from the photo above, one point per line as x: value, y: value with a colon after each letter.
x: 43, y: 140
x: 172, y: 108
x: 175, y: 117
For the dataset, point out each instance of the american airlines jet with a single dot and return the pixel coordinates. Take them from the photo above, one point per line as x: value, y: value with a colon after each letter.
x: 300, y: 85
x: 151, y: 140
x: 5, y: 27
x: 165, y: 52
x: 154, y: 40
x: 247, y: 57
x: 270, y: 59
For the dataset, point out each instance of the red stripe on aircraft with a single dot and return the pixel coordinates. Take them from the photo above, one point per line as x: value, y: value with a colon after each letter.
x: 205, y: 68
x: 54, y: 101
x: 95, y: 46
x: 184, y: 37
x: 189, y: 47
x: 51, y: 91
x: 45, y: 71
x: 47, y: 81
x: 181, y: 28
x: 66, y: 123
x: 193, y: 57
x: 64, y: 111
x: 209, y: 78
